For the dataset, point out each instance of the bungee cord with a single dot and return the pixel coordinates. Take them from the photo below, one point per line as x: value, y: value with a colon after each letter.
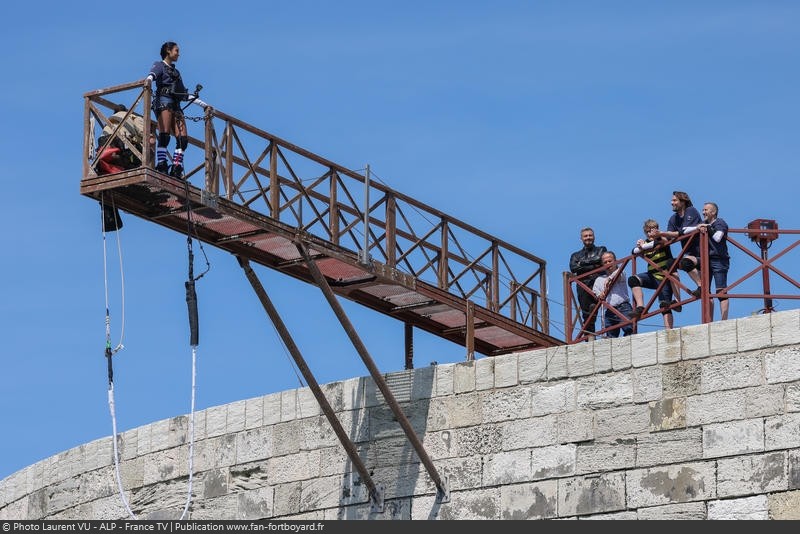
x: 191, y: 300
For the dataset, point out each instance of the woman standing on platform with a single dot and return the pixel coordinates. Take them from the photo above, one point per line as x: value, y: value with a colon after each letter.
x: 167, y: 96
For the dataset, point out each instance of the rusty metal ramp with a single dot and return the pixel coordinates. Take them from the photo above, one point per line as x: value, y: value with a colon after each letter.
x: 261, y: 195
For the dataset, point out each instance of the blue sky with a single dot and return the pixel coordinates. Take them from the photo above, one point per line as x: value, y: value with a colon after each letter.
x: 528, y: 120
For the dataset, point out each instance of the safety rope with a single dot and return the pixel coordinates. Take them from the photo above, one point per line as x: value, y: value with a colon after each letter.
x: 109, y: 352
x: 191, y: 299
x: 194, y: 336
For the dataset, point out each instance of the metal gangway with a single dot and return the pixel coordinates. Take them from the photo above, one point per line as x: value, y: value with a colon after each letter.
x: 270, y: 202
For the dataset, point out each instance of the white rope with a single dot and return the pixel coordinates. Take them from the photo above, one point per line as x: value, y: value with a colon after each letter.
x: 119, y: 346
x: 191, y: 434
x: 116, y: 453
x: 111, y: 383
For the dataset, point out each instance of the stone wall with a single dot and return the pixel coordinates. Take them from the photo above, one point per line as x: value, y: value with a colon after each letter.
x: 701, y: 422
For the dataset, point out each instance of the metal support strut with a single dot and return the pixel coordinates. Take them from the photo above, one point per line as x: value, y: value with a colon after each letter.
x: 375, y: 493
x: 442, y: 492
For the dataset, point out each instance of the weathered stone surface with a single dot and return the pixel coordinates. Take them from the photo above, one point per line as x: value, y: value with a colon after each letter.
x: 591, y: 494
x: 784, y: 506
x: 681, y: 379
x: 553, y: 462
x: 605, y: 455
x: 667, y: 414
x: 553, y: 398
x: 687, y: 511
x: 606, y: 390
x: 731, y: 373
x: 715, y: 407
x: 736, y: 437
x: 747, y: 508
x: 746, y: 475
x: 535, y: 500
x: 670, y: 484
x: 714, y: 434
x: 675, y: 446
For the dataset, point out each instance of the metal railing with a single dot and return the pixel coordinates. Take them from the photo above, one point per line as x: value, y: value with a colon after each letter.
x: 756, y: 272
x: 263, y: 172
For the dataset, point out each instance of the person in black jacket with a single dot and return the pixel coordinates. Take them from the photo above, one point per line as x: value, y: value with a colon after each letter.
x: 580, y: 262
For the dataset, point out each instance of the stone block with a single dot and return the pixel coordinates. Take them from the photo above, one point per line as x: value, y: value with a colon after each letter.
x: 748, y: 475
x: 532, y: 366
x: 507, y: 404
x: 695, y: 342
x: 288, y: 405
x: 621, y: 353
x: 670, y: 447
x: 253, y: 413
x: 671, y: 484
x: 784, y: 327
x: 669, y: 512
x: 557, y: 362
x: 782, y: 365
x: 235, y: 417
x: 272, y: 409
x: 505, y: 370
x: 601, y: 349
x: 647, y: 383
x: 575, y: 426
x: 753, y: 332
x: 681, y: 379
x: 782, y: 431
x: 591, y: 494
x: 476, y: 504
x: 764, y: 401
x: 580, y: 359
x: 444, y: 377
x: 715, y: 407
x: 464, y: 377
x: 607, y: 454
x: 550, y: 398
x: 747, y: 508
x: 622, y: 420
x: 722, y: 337
x: 507, y: 468
x: 530, y: 500
x: 667, y: 414
x: 669, y: 345
x: 740, y: 371
x: 733, y: 437
x: 784, y: 506
x: 527, y: 433
x: 484, y: 374
x: 644, y: 349
x: 307, y: 404
x: 604, y: 390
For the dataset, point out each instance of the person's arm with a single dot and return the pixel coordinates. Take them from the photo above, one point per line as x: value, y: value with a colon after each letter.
x: 720, y: 230
x: 599, y: 286
x: 643, y: 245
x: 574, y: 263
x: 195, y: 100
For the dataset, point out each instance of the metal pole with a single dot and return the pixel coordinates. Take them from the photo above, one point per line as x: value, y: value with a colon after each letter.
x: 375, y: 494
x: 764, y: 244
x: 409, y: 331
x: 442, y: 494
x: 365, y: 252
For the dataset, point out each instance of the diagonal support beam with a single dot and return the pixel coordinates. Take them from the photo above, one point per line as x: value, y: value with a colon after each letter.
x: 442, y: 492
x: 375, y: 493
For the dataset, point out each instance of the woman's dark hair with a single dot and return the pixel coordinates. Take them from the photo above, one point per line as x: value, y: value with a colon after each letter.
x: 166, y: 47
x: 683, y: 197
